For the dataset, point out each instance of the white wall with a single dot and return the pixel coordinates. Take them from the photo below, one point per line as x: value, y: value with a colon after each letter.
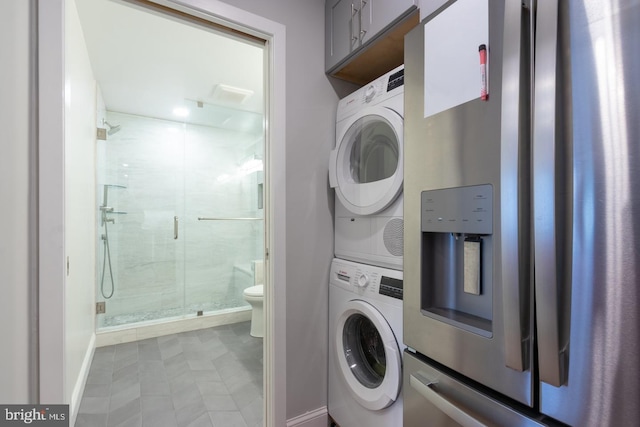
x: 14, y: 206
x: 80, y: 205
x: 310, y: 116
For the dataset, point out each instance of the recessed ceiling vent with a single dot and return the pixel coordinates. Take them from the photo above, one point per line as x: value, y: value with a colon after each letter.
x: 226, y: 94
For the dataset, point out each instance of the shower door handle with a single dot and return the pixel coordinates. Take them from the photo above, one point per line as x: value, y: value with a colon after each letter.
x: 175, y: 228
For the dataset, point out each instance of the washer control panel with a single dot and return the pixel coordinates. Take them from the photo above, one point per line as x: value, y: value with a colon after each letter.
x: 366, y: 279
x: 391, y: 287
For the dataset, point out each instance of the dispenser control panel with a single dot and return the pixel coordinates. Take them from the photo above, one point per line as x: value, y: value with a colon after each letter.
x: 466, y: 210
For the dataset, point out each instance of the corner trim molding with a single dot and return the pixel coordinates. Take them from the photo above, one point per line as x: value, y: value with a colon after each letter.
x: 78, y: 389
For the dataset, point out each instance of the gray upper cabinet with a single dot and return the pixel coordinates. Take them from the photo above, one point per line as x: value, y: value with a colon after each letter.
x: 351, y: 25
x: 340, y: 32
x: 386, y: 13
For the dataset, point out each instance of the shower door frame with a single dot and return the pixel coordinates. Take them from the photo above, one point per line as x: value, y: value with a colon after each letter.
x: 50, y: 35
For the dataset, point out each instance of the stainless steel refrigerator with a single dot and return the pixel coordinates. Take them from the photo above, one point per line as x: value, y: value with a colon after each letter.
x: 522, y: 214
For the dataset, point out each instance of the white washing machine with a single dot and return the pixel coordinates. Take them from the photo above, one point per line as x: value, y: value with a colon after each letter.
x: 365, y: 345
x: 366, y: 170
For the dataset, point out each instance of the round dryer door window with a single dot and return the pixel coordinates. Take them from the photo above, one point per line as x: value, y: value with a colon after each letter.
x: 368, y: 355
x: 369, y: 161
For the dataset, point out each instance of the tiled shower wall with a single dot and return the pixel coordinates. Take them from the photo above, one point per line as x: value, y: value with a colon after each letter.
x: 168, y: 170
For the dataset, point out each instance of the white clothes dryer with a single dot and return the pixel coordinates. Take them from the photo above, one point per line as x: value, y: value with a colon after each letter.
x: 365, y: 345
x: 366, y: 170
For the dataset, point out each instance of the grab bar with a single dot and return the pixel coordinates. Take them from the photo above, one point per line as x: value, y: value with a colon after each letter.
x: 202, y: 218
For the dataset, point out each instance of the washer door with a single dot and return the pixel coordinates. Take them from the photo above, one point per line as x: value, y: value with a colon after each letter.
x: 368, y: 355
x: 366, y: 168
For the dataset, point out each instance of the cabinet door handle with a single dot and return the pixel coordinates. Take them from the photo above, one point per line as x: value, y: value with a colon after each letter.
x: 362, y: 32
x: 354, y: 38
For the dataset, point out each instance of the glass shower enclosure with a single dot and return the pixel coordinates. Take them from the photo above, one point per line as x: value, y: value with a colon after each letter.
x: 180, y: 217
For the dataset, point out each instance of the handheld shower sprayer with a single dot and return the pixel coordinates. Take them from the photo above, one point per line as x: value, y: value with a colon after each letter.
x: 105, y: 209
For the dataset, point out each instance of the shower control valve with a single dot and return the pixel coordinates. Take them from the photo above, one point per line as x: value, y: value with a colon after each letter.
x: 362, y: 281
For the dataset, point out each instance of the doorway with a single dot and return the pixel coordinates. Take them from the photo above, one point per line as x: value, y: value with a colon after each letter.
x: 180, y: 112
x: 63, y: 339
x: 67, y: 343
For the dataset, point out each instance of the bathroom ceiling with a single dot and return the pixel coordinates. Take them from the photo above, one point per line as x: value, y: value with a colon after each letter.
x: 149, y: 64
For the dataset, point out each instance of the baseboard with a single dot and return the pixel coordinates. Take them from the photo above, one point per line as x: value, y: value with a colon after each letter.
x: 78, y: 389
x: 316, y: 418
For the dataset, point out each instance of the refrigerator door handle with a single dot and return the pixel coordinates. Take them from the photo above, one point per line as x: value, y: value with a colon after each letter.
x: 515, y: 116
x: 427, y: 389
x: 545, y: 191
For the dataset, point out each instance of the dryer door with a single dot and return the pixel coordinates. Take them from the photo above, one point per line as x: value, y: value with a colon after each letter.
x: 368, y: 355
x: 366, y: 167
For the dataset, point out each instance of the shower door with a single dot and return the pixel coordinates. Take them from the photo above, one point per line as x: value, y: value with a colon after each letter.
x: 181, y: 230
x: 223, y: 219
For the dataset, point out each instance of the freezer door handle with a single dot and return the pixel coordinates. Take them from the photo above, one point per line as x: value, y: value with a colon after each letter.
x: 546, y: 180
x: 428, y: 390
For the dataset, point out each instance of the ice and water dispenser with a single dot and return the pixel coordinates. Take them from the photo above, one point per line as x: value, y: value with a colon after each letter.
x: 456, y: 257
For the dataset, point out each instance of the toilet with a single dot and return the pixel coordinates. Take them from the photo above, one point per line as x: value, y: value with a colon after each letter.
x: 254, y: 295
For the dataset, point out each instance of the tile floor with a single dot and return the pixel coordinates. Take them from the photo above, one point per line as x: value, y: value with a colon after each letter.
x: 206, y: 378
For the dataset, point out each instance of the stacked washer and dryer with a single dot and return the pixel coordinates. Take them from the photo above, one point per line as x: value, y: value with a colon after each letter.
x: 365, y: 289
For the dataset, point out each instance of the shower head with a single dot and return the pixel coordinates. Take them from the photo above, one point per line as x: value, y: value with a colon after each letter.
x: 112, y: 129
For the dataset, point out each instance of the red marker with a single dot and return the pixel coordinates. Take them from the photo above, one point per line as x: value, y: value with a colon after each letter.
x: 483, y: 72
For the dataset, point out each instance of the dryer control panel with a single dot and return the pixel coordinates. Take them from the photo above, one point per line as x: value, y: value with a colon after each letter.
x: 396, y: 79
x: 363, y: 279
x: 378, y: 91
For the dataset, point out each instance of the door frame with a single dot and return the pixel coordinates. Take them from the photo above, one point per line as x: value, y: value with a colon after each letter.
x: 51, y: 198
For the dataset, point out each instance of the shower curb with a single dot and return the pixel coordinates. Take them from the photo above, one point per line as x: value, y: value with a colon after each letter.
x: 141, y: 331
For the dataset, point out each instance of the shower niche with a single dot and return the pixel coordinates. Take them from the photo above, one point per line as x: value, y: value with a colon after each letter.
x: 188, y: 194
x: 457, y: 257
